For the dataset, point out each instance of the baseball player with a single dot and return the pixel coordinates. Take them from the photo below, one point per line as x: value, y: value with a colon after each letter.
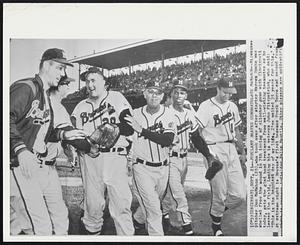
x: 155, y: 130
x: 31, y: 128
x: 187, y: 129
x: 52, y: 193
x: 219, y: 120
x: 107, y: 170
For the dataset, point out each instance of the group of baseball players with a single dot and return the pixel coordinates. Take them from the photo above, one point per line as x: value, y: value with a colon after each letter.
x: 154, y: 142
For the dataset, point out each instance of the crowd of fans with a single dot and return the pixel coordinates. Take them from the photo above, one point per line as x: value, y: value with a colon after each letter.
x: 232, y: 65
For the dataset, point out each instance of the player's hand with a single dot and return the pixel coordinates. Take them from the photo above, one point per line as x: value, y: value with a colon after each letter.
x: 74, y: 134
x: 133, y: 123
x: 95, y: 151
x: 28, y: 163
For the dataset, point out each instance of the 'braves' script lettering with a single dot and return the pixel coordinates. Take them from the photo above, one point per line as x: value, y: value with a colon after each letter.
x: 224, y: 119
x: 39, y: 116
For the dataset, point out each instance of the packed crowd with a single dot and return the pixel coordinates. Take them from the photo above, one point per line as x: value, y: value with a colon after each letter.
x: 232, y: 65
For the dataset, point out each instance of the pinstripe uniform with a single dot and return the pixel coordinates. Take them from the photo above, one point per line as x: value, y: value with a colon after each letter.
x: 150, y: 170
x: 218, y: 122
x: 108, y: 170
x: 186, y: 123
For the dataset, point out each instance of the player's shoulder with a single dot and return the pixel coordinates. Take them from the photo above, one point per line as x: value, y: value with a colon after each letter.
x: 139, y: 110
x: 115, y: 95
x: 24, y: 85
x: 206, y: 103
x: 168, y: 112
x: 233, y: 105
x: 82, y: 103
x: 189, y: 112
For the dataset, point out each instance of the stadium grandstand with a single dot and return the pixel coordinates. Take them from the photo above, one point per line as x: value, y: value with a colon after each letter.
x: 130, y: 67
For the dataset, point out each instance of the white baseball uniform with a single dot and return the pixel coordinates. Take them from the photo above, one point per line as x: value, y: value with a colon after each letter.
x: 218, y: 122
x: 108, y: 170
x: 151, y: 167
x: 186, y: 123
x: 48, y: 185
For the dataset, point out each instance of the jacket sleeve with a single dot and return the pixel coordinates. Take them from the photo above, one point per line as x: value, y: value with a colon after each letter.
x: 125, y: 128
x: 164, y: 139
x: 58, y: 134
x: 200, y: 144
x: 21, y: 97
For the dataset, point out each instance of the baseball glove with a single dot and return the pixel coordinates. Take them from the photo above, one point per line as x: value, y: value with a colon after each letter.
x: 105, y: 135
x: 214, y: 167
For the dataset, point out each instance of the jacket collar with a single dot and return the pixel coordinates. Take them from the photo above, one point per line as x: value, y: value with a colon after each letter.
x: 39, y: 80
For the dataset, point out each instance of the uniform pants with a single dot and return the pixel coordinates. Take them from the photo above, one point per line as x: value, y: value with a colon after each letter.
x: 175, y: 198
x: 42, y: 201
x: 149, y: 186
x: 228, y: 186
x: 107, y: 171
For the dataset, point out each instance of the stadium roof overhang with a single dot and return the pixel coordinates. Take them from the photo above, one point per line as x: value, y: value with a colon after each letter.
x: 151, y: 50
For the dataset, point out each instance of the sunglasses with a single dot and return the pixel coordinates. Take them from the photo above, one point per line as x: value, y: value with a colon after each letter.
x: 154, y: 91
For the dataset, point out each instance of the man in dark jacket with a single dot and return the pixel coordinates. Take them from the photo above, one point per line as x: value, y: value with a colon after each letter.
x: 31, y: 128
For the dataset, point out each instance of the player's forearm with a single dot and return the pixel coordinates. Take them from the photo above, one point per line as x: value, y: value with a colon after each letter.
x: 125, y: 128
x: 79, y: 144
x: 164, y: 139
x: 200, y: 144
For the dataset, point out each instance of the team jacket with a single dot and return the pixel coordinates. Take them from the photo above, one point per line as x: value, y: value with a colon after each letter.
x: 28, y: 113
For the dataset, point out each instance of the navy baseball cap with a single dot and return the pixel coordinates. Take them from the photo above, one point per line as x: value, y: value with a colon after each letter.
x: 57, y: 55
x: 155, y: 85
x: 227, y: 84
x: 180, y: 84
x: 92, y: 69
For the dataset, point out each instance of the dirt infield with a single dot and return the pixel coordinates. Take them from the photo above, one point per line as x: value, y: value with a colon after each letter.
x: 234, y: 221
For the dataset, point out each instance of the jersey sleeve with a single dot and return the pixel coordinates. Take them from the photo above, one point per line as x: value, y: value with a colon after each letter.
x: 237, y: 118
x: 169, y: 122
x: 75, y: 117
x: 123, y: 103
x: 61, y: 116
x: 202, y: 115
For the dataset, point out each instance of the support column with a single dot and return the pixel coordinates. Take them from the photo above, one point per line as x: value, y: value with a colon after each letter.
x: 202, y: 62
x: 79, y: 70
x: 162, y: 66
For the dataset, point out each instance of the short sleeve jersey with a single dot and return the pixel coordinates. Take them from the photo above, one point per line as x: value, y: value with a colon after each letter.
x: 89, y: 116
x: 61, y: 118
x: 218, y: 120
x: 161, y: 122
x: 186, y: 123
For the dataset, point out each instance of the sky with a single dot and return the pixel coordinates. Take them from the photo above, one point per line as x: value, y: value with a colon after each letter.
x: 25, y: 54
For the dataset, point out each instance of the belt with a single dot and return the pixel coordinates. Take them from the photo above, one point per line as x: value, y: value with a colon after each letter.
x: 152, y: 164
x: 47, y: 162
x: 227, y: 141
x: 177, y: 154
x: 118, y: 149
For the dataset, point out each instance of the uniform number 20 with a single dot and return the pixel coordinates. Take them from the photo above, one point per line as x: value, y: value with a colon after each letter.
x: 109, y: 120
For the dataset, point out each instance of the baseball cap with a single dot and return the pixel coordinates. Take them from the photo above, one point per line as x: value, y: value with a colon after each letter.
x: 227, y: 84
x: 180, y: 84
x: 57, y: 55
x: 65, y: 80
x: 92, y: 69
x: 155, y: 85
